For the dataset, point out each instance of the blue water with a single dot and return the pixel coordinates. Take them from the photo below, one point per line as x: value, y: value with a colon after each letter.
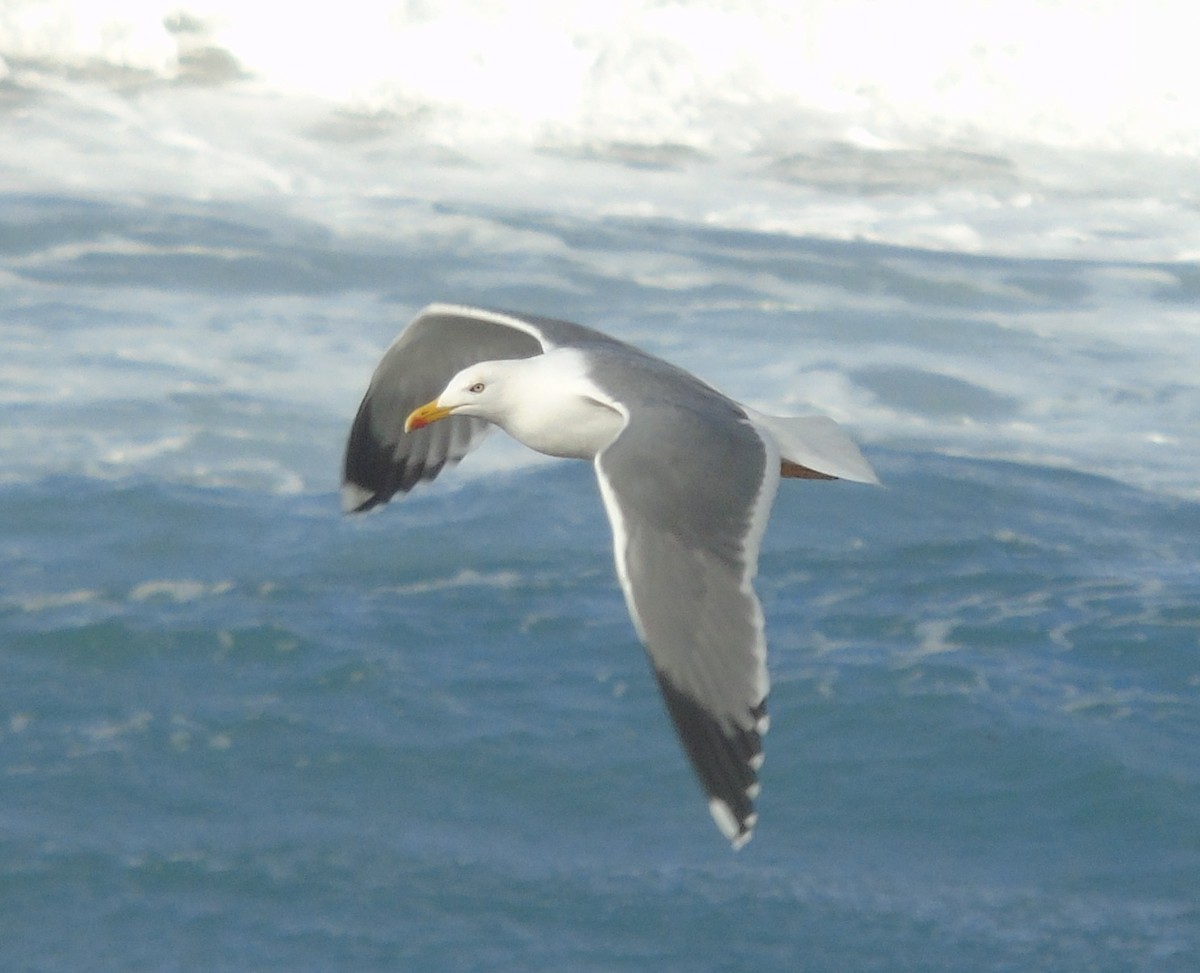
x: 428, y: 740
x: 241, y: 732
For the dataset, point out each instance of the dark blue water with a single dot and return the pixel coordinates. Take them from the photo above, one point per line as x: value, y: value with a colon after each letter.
x: 240, y: 732
x: 244, y: 733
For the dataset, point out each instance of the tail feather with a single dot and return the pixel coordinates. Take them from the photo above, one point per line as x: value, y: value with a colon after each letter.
x: 814, y: 447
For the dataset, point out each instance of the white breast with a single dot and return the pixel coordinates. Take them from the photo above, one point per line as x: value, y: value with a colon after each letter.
x: 560, y: 411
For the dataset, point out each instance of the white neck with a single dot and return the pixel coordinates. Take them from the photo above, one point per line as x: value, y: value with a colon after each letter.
x: 559, y: 410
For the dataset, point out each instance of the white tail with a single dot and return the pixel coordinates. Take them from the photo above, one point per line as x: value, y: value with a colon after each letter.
x: 815, y: 443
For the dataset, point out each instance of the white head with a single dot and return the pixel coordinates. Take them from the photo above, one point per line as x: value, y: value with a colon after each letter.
x: 481, y: 390
x: 547, y: 402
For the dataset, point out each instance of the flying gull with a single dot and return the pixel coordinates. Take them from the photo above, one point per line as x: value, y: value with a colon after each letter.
x: 687, y: 476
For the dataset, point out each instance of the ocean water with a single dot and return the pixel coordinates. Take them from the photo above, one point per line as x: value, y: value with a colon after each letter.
x: 241, y: 732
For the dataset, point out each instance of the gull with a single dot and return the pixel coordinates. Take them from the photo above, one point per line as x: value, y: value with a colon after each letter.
x: 687, y: 477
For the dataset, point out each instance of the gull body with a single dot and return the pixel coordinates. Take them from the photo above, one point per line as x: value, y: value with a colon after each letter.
x: 687, y: 476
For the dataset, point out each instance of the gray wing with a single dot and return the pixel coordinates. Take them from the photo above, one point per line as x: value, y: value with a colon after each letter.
x: 381, y: 458
x: 688, y: 491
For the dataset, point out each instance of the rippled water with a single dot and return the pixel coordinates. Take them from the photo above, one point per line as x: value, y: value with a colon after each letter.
x: 239, y: 731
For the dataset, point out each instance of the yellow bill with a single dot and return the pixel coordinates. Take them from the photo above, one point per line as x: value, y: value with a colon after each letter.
x: 422, y: 417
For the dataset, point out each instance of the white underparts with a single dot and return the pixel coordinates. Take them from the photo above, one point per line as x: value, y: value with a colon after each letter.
x: 561, y: 412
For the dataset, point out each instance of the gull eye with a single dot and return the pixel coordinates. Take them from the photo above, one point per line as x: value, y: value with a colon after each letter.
x: 476, y: 388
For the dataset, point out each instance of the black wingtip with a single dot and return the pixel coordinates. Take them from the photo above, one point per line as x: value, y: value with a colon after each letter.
x: 726, y: 760
x: 374, y: 469
x: 367, y: 470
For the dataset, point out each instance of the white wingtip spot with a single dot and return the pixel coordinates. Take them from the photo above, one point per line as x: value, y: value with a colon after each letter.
x: 756, y: 761
x: 354, y: 496
x: 763, y: 724
x: 728, y: 824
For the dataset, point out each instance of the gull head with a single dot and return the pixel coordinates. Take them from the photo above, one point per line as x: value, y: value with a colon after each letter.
x: 548, y: 402
x: 481, y: 391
